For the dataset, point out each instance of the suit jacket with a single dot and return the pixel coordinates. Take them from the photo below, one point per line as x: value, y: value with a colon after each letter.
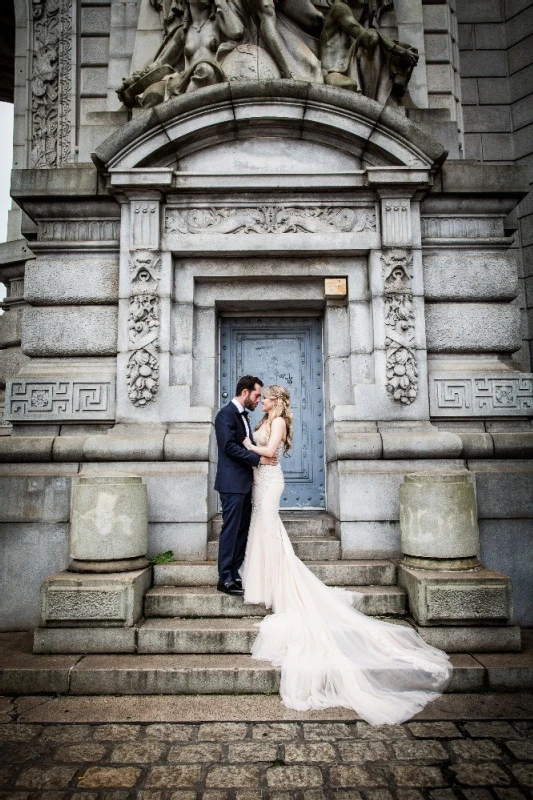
x: 235, y: 462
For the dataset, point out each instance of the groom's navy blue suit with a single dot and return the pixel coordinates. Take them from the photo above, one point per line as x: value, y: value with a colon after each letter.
x: 234, y: 484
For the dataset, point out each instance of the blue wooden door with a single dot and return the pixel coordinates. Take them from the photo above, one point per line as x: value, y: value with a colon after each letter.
x: 285, y: 351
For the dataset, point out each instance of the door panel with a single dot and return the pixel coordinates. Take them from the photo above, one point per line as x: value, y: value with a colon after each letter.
x: 285, y: 351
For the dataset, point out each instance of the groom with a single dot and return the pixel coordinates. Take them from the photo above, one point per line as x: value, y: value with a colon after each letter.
x: 234, y: 480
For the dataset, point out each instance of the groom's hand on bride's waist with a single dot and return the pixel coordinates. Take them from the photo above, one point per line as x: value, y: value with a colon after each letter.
x: 269, y: 462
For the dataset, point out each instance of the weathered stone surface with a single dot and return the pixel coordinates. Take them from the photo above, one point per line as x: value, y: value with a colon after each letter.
x: 187, y: 540
x: 70, y: 331
x: 76, y: 600
x: 370, y: 539
x: 37, y: 496
x: 470, y: 276
x: 34, y: 550
x: 444, y: 598
x: 26, y: 448
x: 177, y: 492
x: 508, y: 545
x: 189, y: 443
x: 438, y: 516
x: 472, y: 327
x: 420, y: 444
x: 109, y: 518
x: 115, y: 447
x: 84, y: 640
x: 471, y: 639
x: 71, y: 278
x: 110, y: 777
x: 10, y: 328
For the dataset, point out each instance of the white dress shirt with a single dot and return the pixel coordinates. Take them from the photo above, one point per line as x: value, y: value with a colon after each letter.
x: 240, y: 410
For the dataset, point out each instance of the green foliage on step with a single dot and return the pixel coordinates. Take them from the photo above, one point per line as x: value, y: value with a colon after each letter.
x: 163, y: 558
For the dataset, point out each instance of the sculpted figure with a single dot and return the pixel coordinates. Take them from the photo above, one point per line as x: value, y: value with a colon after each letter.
x: 198, y: 33
x: 210, y: 41
x: 357, y: 56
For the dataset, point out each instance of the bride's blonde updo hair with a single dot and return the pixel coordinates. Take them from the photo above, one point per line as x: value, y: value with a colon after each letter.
x: 282, y: 408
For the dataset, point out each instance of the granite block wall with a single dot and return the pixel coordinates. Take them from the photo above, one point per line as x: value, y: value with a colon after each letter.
x: 496, y: 41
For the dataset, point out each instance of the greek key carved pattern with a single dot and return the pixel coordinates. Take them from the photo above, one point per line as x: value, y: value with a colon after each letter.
x: 486, y: 396
x: 270, y: 219
x: 51, y: 83
x: 401, y: 366
x: 55, y: 399
x: 143, y: 328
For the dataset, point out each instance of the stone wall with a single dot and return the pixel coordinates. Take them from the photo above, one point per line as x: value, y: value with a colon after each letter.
x: 495, y: 38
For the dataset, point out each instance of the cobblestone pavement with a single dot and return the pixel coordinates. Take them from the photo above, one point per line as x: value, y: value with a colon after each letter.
x: 473, y: 760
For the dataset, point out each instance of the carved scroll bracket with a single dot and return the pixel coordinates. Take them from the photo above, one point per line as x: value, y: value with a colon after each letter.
x: 401, y: 365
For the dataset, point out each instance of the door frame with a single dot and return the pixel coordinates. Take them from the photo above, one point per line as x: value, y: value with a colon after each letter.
x: 275, y: 314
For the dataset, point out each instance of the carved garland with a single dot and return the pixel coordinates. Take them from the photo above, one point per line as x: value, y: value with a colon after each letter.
x: 51, y: 83
x: 143, y: 328
x: 270, y: 219
x: 401, y: 367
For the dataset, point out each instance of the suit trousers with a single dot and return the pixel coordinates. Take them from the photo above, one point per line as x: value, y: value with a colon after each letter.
x: 236, y: 514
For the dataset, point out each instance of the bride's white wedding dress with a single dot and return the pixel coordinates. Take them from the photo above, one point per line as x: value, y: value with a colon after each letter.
x: 330, y: 653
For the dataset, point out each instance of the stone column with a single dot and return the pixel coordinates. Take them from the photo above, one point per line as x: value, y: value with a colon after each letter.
x: 454, y: 602
x: 94, y: 605
x: 109, y: 524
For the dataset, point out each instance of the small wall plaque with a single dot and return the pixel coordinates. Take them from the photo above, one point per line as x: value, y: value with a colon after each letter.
x: 335, y: 288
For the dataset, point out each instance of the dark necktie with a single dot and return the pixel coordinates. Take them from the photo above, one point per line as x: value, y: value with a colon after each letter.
x: 244, y: 415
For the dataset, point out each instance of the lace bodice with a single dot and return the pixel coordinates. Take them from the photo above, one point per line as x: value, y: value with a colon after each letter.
x: 261, y: 437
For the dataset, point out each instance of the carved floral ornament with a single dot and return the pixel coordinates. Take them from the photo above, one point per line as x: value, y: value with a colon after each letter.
x: 401, y: 366
x: 270, y: 219
x: 51, y: 83
x: 144, y: 320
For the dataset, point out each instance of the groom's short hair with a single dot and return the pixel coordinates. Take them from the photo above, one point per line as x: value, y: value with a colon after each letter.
x: 247, y: 382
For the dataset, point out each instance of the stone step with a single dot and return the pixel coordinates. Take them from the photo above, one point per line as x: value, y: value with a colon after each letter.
x: 312, y: 524
x: 205, y: 601
x: 333, y: 573
x: 326, y: 548
x: 23, y: 673
x: 203, y: 635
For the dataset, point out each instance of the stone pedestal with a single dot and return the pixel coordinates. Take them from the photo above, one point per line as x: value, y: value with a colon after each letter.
x: 81, y: 613
x: 109, y: 525
x: 447, y: 587
x: 104, y: 587
x: 438, y: 521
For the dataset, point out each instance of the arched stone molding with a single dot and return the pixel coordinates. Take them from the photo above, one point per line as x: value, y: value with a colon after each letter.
x: 351, y: 123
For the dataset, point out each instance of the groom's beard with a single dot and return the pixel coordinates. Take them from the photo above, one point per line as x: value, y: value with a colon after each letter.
x: 250, y: 405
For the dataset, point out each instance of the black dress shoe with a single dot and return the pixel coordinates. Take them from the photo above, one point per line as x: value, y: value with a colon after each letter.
x: 238, y: 582
x: 230, y: 588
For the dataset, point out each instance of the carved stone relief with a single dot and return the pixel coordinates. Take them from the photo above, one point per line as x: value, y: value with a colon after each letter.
x: 401, y: 366
x: 461, y: 227
x: 60, y: 399
x: 270, y: 219
x: 396, y: 222
x: 73, y: 230
x: 51, y: 83
x: 144, y: 320
x: 214, y: 42
x: 481, y: 396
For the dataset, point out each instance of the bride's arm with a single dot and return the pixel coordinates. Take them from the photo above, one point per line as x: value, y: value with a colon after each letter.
x: 277, y: 434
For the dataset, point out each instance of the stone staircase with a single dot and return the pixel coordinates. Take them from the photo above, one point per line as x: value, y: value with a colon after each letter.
x: 184, y: 612
x: 194, y: 640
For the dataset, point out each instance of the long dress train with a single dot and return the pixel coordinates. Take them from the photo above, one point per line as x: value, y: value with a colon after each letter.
x: 330, y: 653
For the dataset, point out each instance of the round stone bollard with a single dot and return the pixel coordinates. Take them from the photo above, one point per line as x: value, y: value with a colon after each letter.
x: 109, y: 524
x: 438, y: 521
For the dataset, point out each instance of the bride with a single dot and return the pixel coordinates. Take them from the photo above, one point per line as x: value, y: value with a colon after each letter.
x: 330, y: 653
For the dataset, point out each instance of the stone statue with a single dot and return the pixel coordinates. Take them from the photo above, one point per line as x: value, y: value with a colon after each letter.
x: 212, y: 41
x: 357, y: 56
